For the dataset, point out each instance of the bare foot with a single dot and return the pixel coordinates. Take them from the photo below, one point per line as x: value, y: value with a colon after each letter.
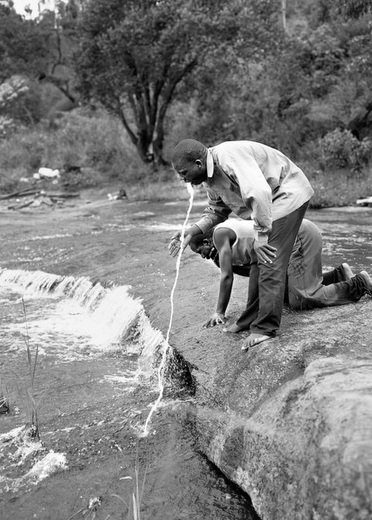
x: 232, y: 328
x: 254, y: 339
x: 348, y: 273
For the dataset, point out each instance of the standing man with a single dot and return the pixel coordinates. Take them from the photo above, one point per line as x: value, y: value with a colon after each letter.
x: 259, y: 183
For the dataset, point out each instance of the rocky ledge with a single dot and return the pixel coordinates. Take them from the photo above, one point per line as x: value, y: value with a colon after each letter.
x: 290, y: 421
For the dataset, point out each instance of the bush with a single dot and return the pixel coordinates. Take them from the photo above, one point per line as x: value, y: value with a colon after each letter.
x: 341, y: 149
x: 336, y: 188
x: 89, y: 141
x: 20, y: 104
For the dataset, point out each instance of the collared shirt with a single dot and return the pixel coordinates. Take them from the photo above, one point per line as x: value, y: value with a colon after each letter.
x: 255, y: 182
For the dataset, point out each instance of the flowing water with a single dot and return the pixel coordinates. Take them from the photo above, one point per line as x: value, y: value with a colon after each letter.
x: 75, y: 322
x: 98, y: 379
x: 104, y: 376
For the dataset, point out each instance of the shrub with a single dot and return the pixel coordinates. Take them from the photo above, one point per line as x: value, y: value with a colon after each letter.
x: 20, y: 104
x: 341, y: 149
x: 336, y: 188
x: 94, y: 142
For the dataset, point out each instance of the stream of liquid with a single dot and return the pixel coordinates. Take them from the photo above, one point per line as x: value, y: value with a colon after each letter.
x: 166, y: 342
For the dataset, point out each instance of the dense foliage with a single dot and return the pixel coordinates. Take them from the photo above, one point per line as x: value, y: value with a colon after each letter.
x: 133, y: 56
x: 293, y: 74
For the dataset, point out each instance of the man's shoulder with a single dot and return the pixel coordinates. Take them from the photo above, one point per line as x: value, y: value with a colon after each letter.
x: 240, y: 226
x: 228, y: 145
x: 244, y: 148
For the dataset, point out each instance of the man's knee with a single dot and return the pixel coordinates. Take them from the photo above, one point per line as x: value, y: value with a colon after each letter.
x: 298, y: 303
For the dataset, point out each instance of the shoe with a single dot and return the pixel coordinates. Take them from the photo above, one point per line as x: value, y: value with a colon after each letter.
x: 368, y: 281
x: 346, y: 271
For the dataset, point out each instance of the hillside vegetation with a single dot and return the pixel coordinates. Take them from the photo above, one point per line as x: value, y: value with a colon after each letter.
x: 108, y: 87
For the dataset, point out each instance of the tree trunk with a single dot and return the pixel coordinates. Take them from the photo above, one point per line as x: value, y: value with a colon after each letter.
x: 144, y: 151
x: 158, y: 154
x: 284, y: 15
x: 152, y: 153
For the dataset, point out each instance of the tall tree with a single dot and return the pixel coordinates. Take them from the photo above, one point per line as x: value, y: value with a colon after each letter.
x: 134, y: 54
x: 352, y: 8
x: 38, y: 48
x: 24, y: 44
x: 229, y: 75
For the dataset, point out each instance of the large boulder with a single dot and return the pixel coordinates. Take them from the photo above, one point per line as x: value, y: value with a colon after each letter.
x: 290, y: 421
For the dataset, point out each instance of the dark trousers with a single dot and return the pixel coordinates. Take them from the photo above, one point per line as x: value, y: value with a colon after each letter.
x: 267, y: 281
x: 308, y: 287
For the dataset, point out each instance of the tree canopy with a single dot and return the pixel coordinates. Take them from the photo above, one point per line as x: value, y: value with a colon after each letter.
x: 291, y: 74
x: 25, y: 45
x: 133, y: 55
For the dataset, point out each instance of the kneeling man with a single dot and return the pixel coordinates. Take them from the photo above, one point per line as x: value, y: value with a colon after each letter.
x: 231, y: 248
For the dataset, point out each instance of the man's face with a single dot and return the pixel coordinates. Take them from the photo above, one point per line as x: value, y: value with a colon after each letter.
x: 206, y: 249
x: 193, y: 172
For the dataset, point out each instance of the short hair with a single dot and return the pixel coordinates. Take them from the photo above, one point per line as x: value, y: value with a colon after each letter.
x: 188, y: 150
x: 197, y: 240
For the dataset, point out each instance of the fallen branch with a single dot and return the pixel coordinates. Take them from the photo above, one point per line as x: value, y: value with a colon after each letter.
x: 20, y: 206
x: 61, y: 194
x: 21, y: 193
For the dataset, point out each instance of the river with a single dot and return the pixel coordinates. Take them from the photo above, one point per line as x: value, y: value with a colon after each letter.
x: 95, y: 381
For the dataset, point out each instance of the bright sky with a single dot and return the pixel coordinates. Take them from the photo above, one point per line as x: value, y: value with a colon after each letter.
x: 20, y: 5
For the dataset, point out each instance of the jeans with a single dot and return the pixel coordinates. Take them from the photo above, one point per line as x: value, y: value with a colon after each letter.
x: 307, y: 286
x: 267, y: 281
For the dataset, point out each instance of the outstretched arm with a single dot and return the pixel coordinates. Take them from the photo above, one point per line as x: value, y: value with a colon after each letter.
x: 222, y: 243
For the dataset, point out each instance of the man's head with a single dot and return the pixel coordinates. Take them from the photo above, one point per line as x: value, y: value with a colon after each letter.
x: 203, y: 245
x: 189, y: 160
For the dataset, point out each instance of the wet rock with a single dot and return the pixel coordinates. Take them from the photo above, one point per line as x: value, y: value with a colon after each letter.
x: 290, y: 420
x: 179, y: 380
x: 4, y: 405
x: 293, y: 427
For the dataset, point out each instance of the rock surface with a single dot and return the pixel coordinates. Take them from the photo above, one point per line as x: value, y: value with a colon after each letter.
x: 290, y: 421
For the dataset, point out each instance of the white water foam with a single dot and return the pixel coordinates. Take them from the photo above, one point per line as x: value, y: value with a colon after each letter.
x: 81, y: 309
x: 20, y: 448
x: 74, y: 318
x: 39, y: 283
x: 101, y: 318
x: 76, y: 308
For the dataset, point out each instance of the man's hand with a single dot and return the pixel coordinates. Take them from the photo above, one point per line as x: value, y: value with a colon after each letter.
x: 265, y: 253
x: 218, y: 318
x: 175, y: 243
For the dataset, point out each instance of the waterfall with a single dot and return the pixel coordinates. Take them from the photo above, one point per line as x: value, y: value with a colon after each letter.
x: 107, y: 315
x: 82, y: 290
